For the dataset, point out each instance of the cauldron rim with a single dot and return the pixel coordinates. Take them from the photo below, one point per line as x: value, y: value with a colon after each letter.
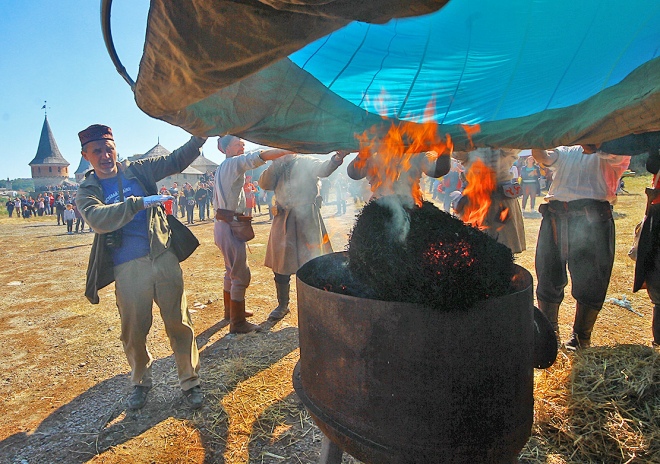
x: 520, y: 286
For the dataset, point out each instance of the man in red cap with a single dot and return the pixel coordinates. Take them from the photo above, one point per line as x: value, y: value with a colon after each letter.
x: 132, y: 246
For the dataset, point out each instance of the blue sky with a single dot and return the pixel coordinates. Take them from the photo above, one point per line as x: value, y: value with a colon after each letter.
x: 54, y: 51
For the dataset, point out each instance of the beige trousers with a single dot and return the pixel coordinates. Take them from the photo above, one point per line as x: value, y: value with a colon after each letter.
x: 138, y: 283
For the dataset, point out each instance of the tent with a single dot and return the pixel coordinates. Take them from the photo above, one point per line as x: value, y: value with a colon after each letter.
x: 310, y: 75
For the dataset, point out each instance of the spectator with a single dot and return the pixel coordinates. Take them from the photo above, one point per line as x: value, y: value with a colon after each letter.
x: 69, y: 216
x: 257, y: 195
x: 10, y: 207
x: 250, y: 194
x: 182, y: 203
x: 201, y: 196
x: 41, y: 207
x: 60, y: 206
x: 531, y: 187
x: 189, y: 193
x: 340, y: 193
x: 18, y: 207
x: 174, y: 192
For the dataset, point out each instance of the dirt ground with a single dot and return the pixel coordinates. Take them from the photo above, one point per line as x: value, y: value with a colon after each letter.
x: 64, y: 378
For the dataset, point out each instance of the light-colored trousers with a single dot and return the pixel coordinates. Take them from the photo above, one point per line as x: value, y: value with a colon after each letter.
x: 138, y: 283
x: 237, y: 273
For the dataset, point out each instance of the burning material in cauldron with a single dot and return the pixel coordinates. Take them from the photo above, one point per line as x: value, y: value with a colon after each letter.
x: 420, y: 255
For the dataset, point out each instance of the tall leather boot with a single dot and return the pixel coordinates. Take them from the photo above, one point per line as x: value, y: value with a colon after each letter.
x: 655, y: 325
x: 237, y: 322
x: 227, y: 298
x: 585, y: 318
x: 551, y: 311
x: 282, y: 300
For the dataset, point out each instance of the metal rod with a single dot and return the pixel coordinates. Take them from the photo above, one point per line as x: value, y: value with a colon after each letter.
x: 106, y: 6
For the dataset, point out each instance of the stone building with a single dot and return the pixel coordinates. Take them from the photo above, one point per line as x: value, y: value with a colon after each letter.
x: 193, y: 173
x: 49, y: 168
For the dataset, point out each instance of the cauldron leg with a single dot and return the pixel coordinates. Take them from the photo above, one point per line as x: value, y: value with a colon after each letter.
x: 330, y: 453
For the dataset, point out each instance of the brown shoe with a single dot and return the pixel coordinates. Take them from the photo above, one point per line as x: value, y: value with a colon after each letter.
x: 237, y: 322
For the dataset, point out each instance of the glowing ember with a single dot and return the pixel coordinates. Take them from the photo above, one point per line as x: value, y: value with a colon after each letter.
x: 440, y: 255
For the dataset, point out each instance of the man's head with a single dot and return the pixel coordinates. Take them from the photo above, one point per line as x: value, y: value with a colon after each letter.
x: 231, y: 146
x: 98, y: 147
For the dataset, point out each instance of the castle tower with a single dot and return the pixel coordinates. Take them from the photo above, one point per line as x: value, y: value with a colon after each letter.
x: 48, y: 166
x: 83, y: 167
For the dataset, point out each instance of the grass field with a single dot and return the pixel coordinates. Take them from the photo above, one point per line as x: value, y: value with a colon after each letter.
x: 65, y: 378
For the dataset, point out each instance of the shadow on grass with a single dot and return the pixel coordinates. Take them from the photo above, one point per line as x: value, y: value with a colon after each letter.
x: 97, y: 420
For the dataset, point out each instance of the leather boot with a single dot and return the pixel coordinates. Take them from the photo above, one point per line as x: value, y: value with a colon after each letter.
x: 655, y: 325
x: 551, y: 311
x: 237, y: 322
x: 545, y: 341
x: 282, y: 300
x: 227, y: 298
x: 585, y: 318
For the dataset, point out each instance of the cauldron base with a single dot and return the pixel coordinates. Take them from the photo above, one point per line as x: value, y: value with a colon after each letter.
x: 341, y: 437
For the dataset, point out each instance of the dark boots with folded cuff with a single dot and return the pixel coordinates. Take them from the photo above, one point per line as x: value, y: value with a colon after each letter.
x: 282, y: 300
x: 585, y: 319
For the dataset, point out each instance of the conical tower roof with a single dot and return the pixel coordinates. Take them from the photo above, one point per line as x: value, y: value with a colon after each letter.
x: 203, y: 163
x: 47, y: 152
x: 83, y: 167
x: 156, y: 151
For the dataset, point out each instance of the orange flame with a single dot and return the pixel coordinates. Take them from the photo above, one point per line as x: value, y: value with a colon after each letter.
x: 470, y: 131
x: 481, y: 184
x: 391, y: 156
x: 314, y: 247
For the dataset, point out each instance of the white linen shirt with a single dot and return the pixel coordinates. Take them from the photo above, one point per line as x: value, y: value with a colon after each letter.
x: 230, y: 176
x: 578, y: 175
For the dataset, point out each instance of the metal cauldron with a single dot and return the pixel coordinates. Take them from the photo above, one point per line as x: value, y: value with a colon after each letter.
x: 392, y: 382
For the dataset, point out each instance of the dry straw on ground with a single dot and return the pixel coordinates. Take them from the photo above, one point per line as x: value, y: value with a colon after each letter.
x: 65, y: 379
x: 602, y: 405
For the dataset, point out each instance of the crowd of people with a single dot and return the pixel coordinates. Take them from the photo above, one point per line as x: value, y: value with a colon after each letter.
x: 61, y: 205
x: 132, y: 245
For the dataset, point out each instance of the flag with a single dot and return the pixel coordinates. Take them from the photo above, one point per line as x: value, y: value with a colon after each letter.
x: 43, y: 107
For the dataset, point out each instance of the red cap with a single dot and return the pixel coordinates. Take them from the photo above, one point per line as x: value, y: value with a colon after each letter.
x: 95, y: 132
